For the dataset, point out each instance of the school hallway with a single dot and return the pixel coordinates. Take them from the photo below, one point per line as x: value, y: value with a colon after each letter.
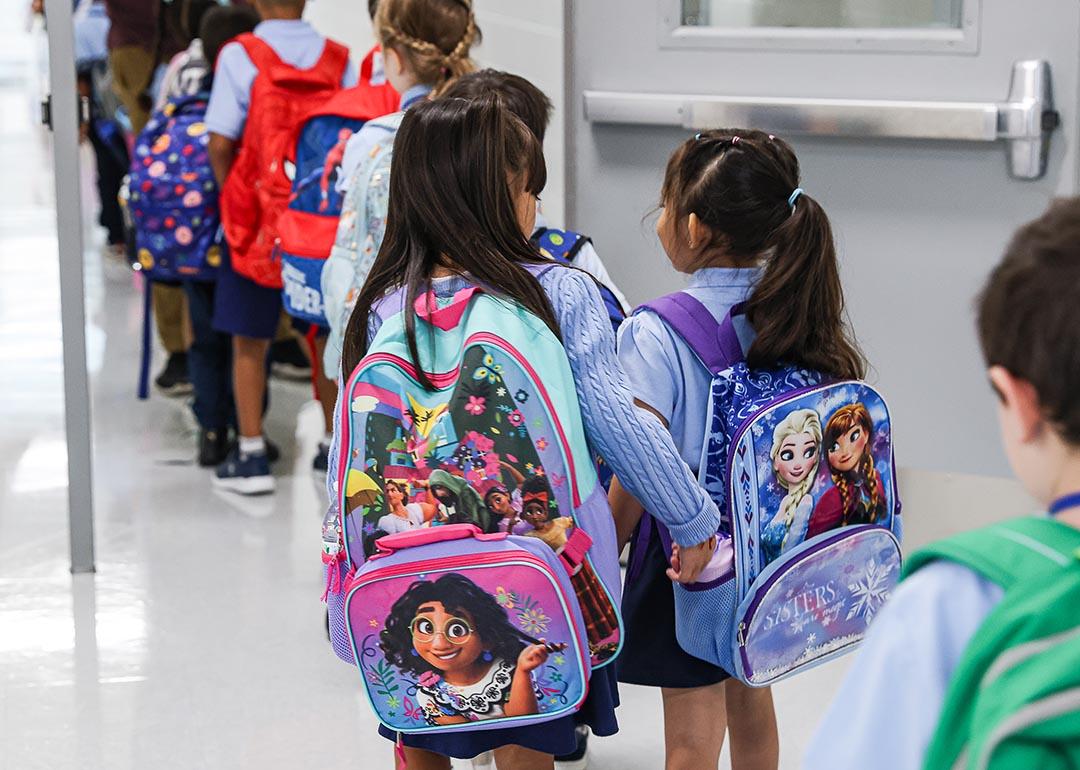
x: 200, y: 642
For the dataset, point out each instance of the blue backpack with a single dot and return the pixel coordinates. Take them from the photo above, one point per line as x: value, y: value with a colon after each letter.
x: 173, y: 196
x: 564, y: 246
x: 802, y: 469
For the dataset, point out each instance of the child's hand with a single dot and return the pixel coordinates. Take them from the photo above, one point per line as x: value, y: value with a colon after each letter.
x: 687, y: 563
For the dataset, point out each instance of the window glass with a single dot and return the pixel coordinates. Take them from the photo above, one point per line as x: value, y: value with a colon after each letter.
x: 856, y: 14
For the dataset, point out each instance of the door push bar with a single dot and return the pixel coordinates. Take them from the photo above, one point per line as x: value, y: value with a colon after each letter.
x: 1025, y: 121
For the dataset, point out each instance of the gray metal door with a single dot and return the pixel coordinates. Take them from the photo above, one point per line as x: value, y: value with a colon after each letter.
x: 922, y: 193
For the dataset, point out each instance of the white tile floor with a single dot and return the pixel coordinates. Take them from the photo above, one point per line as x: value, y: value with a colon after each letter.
x: 199, y: 642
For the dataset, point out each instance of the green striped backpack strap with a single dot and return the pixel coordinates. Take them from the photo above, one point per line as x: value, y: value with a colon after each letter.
x: 1014, y: 699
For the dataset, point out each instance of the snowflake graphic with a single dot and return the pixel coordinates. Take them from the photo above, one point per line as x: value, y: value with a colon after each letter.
x: 811, y: 640
x: 870, y: 590
x: 758, y: 430
x: 827, y: 619
x: 799, y: 624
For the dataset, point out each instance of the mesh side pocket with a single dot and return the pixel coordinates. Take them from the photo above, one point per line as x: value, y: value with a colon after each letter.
x: 335, y: 605
x: 705, y: 623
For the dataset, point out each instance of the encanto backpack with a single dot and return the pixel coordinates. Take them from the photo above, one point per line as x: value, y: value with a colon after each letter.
x: 496, y: 447
x: 563, y: 246
x: 802, y: 469
x: 257, y: 190
x: 308, y: 225
x: 454, y: 629
x: 1014, y: 698
x: 172, y: 196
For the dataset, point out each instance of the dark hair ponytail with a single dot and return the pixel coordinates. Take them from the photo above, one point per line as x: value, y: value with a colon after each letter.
x: 739, y: 183
x: 451, y: 206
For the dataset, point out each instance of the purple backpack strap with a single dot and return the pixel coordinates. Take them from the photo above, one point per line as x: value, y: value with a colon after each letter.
x: 716, y: 344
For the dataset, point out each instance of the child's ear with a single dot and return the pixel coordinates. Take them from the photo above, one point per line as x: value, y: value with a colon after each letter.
x: 393, y: 61
x: 1020, y: 405
x: 698, y: 234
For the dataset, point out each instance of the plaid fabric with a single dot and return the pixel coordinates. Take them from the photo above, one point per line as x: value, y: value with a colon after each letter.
x: 596, y: 608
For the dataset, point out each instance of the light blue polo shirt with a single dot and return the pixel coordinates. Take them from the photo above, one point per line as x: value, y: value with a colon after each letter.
x: 665, y: 374
x: 295, y: 41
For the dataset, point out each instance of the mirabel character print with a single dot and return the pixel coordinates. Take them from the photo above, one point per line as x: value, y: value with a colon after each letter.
x: 471, y: 663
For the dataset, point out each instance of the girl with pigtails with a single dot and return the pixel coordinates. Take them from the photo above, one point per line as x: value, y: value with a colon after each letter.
x: 858, y: 495
x: 734, y: 218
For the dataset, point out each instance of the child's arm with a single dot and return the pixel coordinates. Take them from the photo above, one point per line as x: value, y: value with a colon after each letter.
x: 222, y: 156
x: 625, y: 508
x: 635, y: 444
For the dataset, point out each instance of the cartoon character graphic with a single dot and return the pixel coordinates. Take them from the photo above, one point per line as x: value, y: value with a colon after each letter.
x: 601, y: 621
x: 504, y: 505
x: 458, y: 502
x: 858, y: 496
x: 471, y: 663
x: 796, y: 453
x: 401, y: 515
x: 332, y: 167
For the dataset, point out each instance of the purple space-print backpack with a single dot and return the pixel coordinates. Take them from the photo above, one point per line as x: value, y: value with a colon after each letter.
x: 802, y: 469
x: 173, y: 197
x: 473, y: 574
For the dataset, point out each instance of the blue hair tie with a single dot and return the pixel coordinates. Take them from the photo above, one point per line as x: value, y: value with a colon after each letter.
x: 794, y: 197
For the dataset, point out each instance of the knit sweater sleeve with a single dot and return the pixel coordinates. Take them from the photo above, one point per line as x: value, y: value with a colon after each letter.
x: 632, y: 441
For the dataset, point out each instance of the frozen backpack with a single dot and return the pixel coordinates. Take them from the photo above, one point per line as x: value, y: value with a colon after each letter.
x: 172, y: 195
x: 563, y: 246
x: 359, y: 234
x: 494, y: 446
x: 457, y: 630
x: 308, y: 225
x: 802, y: 469
x: 257, y: 190
x: 1014, y: 698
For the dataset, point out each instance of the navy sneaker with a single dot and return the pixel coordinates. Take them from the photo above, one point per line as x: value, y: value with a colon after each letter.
x: 246, y: 474
x: 579, y: 759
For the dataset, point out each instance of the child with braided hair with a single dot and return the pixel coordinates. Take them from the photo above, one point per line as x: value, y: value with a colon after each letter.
x: 425, y: 45
x: 858, y: 496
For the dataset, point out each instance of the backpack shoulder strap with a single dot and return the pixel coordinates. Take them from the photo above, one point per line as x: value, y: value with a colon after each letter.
x: 261, y: 53
x: 1008, y: 553
x: 715, y: 343
x: 334, y: 58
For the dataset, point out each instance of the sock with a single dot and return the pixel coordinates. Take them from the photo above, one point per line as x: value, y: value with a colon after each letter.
x: 252, y: 446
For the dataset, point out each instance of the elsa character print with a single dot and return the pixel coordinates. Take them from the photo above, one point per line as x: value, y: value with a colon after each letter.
x: 471, y: 664
x: 796, y: 453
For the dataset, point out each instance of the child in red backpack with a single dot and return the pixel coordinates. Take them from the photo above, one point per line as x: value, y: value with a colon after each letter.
x: 248, y: 305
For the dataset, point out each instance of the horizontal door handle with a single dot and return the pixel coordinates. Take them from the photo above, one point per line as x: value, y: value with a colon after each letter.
x: 1025, y: 120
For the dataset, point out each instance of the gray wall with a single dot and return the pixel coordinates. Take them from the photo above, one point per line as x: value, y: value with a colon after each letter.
x: 918, y: 224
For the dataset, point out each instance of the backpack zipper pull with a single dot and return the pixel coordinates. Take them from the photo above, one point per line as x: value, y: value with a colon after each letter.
x: 741, y: 638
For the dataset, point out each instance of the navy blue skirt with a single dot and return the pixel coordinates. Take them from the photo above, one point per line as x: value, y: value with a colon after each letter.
x: 651, y: 654
x: 556, y: 737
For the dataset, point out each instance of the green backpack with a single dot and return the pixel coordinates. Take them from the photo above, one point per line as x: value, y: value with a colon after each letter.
x: 1014, y: 699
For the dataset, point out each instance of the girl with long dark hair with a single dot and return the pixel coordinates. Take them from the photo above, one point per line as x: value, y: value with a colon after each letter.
x: 462, y: 205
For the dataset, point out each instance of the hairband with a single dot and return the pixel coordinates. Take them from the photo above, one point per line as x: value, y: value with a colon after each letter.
x: 794, y: 197
x: 534, y: 497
